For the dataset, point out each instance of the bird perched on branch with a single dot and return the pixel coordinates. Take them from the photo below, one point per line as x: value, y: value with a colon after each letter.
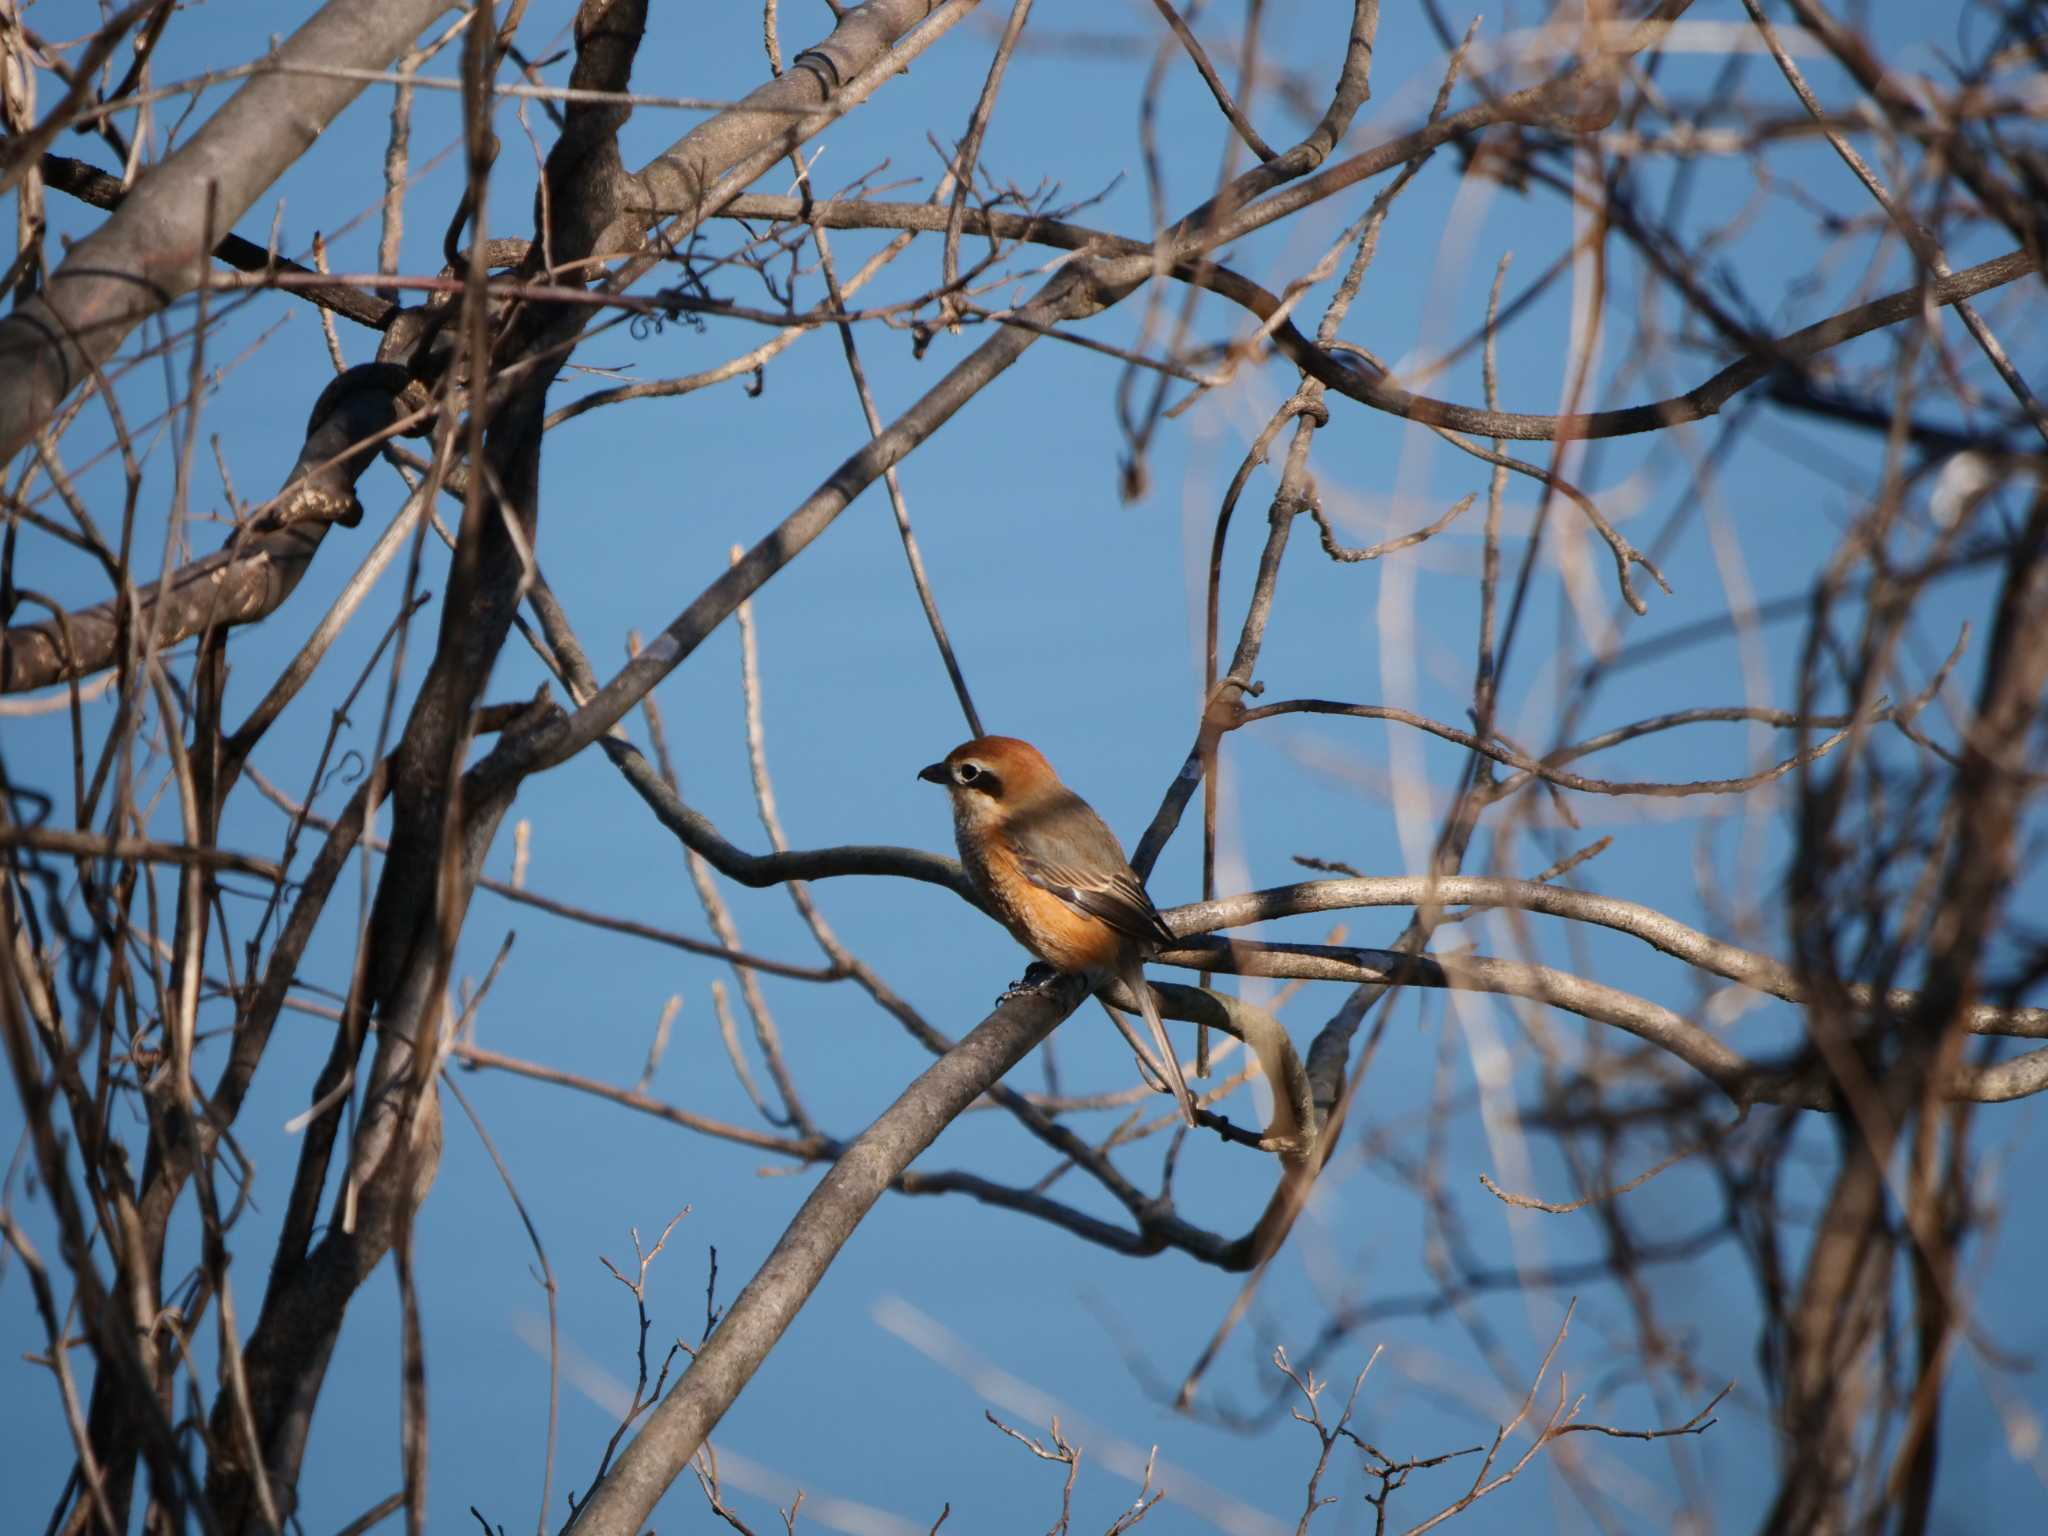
x: 1055, y: 875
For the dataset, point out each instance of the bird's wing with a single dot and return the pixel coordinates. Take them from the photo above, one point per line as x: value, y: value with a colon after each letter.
x: 1065, y: 848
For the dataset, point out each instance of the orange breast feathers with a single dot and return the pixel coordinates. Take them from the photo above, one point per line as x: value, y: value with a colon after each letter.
x: 1063, y: 936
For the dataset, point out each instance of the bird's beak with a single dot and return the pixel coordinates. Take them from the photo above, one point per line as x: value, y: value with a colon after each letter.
x: 934, y: 773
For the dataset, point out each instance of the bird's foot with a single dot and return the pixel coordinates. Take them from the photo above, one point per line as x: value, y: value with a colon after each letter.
x: 1038, y: 979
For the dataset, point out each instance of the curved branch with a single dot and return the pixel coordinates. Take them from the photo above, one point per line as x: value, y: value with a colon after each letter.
x: 1717, y: 956
x: 1295, y: 1125
x: 697, y: 833
x: 155, y: 246
x: 248, y: 579
x: 1766, y: 357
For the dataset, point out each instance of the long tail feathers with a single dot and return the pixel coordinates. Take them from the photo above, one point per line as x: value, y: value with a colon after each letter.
x: 1133, y: 978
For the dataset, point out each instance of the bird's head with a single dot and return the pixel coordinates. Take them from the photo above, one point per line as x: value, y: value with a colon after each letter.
x: 991, y: 775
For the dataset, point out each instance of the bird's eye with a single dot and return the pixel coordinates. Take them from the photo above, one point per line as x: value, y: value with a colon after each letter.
x: 967, y: 773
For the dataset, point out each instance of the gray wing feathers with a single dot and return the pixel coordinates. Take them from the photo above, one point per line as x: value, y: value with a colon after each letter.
x: 1062, y: 846
x: 1067, y: 849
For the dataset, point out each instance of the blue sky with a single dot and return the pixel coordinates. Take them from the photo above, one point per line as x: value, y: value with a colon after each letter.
x: 1077, y: 619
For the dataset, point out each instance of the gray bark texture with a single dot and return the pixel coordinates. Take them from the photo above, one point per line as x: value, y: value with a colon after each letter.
x: 155, y: 247
x: 760, y: 1314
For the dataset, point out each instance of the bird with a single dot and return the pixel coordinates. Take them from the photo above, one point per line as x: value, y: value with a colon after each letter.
x: 1055, y: 875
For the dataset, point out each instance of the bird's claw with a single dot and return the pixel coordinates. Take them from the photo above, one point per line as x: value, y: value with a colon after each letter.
x: 1037, y: 979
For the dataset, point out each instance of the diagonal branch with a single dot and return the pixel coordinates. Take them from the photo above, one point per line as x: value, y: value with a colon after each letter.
x: 621, y: 1503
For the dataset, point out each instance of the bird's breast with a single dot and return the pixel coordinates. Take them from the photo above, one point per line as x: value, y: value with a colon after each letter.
x: 1062, y: 936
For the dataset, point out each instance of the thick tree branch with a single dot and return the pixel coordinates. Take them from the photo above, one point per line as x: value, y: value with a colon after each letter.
x: 154, y: 248
x: 250, y: 577
x: 91, y: 185
x: 442, y: 825
x: 622, y: 1501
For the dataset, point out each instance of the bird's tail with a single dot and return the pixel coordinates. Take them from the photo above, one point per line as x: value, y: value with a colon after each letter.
x: 1133, y: 978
